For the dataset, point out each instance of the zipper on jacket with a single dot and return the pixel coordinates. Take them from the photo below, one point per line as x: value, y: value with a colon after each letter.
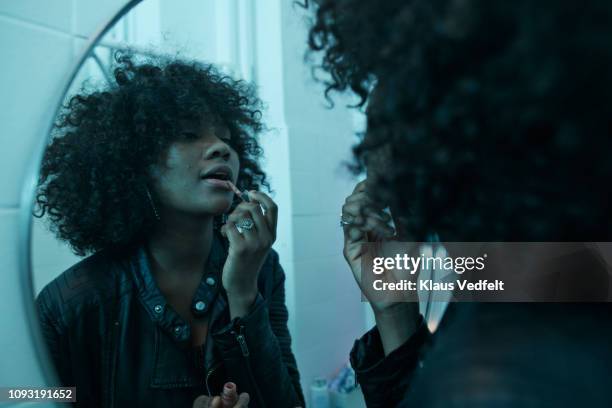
x: 240, y: 338
x: 242, y: 342
x: 208, y: 374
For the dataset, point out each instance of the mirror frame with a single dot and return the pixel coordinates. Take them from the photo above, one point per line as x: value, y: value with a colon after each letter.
x: 28, y: 192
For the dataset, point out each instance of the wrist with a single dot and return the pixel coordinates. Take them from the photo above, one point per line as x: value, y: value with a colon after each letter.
x: 397, y: 324
x: 240, y: 303
x: 398, y: 311
x: 242, y: 297
x: 240, y: 286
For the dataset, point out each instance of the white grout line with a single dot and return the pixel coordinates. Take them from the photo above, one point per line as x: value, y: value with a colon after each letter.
x: 33, y: 24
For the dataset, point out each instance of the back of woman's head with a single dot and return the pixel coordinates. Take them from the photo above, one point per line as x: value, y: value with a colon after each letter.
x: 95, y: 172
x: 499, y: 114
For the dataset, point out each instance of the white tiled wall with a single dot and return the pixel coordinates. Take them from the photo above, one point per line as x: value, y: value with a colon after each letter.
x: 19, y: 365
x: 26, y: 77
x: 90, y: 15
x: 50, y: 256
x: 54, y: 14
x: 37, y: 40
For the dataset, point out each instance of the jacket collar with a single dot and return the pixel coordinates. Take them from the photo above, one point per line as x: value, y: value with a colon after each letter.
x: 155, y: 303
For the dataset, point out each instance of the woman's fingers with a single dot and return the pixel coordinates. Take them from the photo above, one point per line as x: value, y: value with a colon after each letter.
x: 269, y: 205
x: 243, y: 401
x: 237, y: 401
x: 229, y: 396
x: 378, y: 227
x: 366, y: 198
x: 375, y: 226
x: 365, y: 216
x: 258, y: 236
x: 353, y: 234
x: 253, y: 211
x: 357, y: 212
x: 247, y: 237
x: 232, y: 234
x: 204, y: 401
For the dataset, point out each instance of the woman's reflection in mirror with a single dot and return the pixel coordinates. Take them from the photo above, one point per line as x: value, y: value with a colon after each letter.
x: 171, y: 301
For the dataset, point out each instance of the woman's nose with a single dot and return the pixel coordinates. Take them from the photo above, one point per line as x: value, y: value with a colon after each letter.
x: 217, y: 150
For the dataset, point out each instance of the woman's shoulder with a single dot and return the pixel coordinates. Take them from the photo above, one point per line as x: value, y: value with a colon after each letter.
x: 89, y: 283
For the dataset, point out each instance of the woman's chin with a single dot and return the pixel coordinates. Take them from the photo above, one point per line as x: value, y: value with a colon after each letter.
x: 218, y: 207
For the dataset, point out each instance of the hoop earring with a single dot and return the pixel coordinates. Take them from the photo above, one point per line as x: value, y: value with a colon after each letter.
x: 152, y: 204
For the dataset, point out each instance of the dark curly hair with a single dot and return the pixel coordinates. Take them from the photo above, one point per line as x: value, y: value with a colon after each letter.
x: 95, y: 170
x: 498, y: 114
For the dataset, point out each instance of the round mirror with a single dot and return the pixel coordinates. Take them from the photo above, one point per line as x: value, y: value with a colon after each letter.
x: 122, y: 313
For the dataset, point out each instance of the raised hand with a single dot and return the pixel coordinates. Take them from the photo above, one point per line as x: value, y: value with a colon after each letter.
x: 365, y: 222
x: 251, y: 231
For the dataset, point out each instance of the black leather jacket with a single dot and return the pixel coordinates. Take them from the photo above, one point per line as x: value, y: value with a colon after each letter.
x: 111, y: 334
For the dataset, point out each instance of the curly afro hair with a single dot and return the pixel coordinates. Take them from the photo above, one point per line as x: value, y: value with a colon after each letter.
x: 95, y: 170
x: 498, y: 114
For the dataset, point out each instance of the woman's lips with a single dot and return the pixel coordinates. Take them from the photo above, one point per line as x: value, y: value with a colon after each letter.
x: 217, y: 183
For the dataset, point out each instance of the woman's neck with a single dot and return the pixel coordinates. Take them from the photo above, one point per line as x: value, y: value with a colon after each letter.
x: 180, y: 245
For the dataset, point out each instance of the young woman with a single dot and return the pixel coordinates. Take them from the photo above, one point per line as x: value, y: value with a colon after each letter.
x: 171, y: 303
x: 488, y: 121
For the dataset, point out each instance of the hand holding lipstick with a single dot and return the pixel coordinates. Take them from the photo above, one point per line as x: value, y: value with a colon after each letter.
x: 363, y: 221
x: 247, y: 249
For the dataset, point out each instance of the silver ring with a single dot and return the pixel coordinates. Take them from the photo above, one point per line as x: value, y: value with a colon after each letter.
x: 244, y: 224
x: 344, y: 220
